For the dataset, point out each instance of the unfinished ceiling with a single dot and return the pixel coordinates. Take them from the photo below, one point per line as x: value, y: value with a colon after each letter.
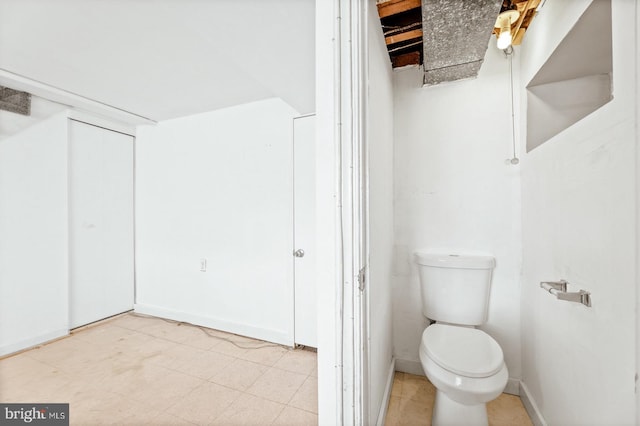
x: 448, y: 37
x: 167, y: 58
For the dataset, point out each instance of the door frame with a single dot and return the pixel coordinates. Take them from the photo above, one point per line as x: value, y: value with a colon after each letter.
x: 342, y: 232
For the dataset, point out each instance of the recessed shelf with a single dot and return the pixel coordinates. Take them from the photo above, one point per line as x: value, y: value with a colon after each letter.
x: 576, y: 80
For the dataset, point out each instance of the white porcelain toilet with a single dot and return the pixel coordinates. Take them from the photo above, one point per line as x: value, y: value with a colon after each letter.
x: 465, y: 364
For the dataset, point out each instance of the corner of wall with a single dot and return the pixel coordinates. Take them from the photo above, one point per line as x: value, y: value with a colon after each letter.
x: 531, y: 406
x: 382, y: 414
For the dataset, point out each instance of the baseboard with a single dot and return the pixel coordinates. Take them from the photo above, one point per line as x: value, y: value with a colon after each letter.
x: 409, y: 366
x: 382, y: 414
x: 513, y: 387
x: 254, y: 332
x: 32, y: 341
x: 531, y: 406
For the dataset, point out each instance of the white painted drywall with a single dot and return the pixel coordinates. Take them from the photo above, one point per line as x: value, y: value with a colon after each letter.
x: 33, y: 231
x: 579, y: 217
x: 380, y: 196
x: 218, y: 186
x: 454, y: 192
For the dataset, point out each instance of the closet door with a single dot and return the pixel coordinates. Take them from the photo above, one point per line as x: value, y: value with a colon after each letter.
x: 304, y: 196
x: 100, y: 223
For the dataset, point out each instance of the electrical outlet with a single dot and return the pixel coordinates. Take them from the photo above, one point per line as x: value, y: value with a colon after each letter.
x: 203, y: 265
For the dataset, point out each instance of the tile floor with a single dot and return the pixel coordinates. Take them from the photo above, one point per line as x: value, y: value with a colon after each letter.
x: 412, y: 401
x: 140, y: 370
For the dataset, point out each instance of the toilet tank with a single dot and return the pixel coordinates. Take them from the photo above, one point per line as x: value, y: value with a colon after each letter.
x: 455, y: 288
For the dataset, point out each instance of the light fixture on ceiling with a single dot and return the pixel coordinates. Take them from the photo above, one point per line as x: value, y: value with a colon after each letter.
x: 503, y: 23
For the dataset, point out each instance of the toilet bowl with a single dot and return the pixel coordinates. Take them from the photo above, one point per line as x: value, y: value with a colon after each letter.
x: 464, y: 363
x: 467, y: 368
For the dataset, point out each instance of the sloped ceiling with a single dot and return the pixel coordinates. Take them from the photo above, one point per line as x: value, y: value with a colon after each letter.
x: 166, y: 58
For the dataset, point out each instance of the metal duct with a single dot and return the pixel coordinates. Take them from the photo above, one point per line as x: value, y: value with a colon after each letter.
x: 15, y: 101
x: 455, y: 37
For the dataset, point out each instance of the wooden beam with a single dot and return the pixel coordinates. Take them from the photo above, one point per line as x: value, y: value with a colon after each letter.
x: 411, y: 58
x: 393, y: 7
x: 517, y: 39
x: 403, y: 36
x: 515, y: 30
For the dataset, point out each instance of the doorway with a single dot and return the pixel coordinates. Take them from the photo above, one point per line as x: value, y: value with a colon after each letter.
x: 304, y: 216
x: 101, y: 258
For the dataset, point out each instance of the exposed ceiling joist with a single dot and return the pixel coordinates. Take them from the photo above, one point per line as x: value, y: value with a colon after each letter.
x: 402, y: 27
x: 448, y: 37
x: 394, y: 7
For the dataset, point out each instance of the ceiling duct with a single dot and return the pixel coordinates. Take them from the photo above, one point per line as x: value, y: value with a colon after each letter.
x: 455, y: 37
x: 15, y: 101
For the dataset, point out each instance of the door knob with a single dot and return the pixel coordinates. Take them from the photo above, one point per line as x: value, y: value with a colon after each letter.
x: 298, y: 253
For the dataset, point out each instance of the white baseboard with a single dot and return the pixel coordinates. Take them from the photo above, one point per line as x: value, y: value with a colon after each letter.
x: 382, y: 414
x: 409, y: 366
x: 32, y: 341
x: 265, y: 334
x: 531, y: 406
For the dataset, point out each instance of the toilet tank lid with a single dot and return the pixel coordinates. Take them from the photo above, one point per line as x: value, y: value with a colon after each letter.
x: 443, y: 260
x: 465, y: 351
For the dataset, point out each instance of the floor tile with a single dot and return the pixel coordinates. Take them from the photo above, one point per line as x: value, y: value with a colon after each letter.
x: 204, y: 404
x: 35, y: 381
x: 134, y: 321
x: 162, y: 386
x: 396, y: 389
x: 200, y: 337
x: 134, y: 370
x: 166, y: 419
x: 412, y: 398
x: 67, y: 353
x: 240, y: 374
x: 417, y: 388
x: 195, y: 362
x: 291, y: 416
x: 168, y: 330
x: 277, y: 385
x: 409, y: 412
x: 298, y: 361
x: 306, y: 398
x: 268, y: 355
x: 507, y: 410
x: 250, y: 410
x: 230, y: 348
x: 107, y: 334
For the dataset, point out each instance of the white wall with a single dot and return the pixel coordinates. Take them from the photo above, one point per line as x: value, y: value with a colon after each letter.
x: 454, y: 192
x: 579, y: 218
x: 380, y: 166
x: 33, y: 231
x: 218, y: 186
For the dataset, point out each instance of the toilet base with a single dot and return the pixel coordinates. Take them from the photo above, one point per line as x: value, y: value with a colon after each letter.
x: 447, y: 412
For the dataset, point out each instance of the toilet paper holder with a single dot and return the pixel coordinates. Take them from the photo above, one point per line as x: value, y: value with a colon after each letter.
x: 559, y: 289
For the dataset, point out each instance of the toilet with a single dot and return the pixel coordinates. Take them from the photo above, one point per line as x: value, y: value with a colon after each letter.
x: 464, y: 363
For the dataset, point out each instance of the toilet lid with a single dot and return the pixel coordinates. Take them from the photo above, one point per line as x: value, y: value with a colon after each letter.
x: 465, y: 351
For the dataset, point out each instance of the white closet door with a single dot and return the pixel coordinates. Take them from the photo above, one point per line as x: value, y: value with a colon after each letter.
x: 305, y: 325
x: 100, y: 223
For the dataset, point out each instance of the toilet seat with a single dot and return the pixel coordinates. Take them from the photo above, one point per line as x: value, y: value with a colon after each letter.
x: 464, y: 351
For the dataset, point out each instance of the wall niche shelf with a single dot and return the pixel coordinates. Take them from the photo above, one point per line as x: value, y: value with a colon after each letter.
x: 576, y: 80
